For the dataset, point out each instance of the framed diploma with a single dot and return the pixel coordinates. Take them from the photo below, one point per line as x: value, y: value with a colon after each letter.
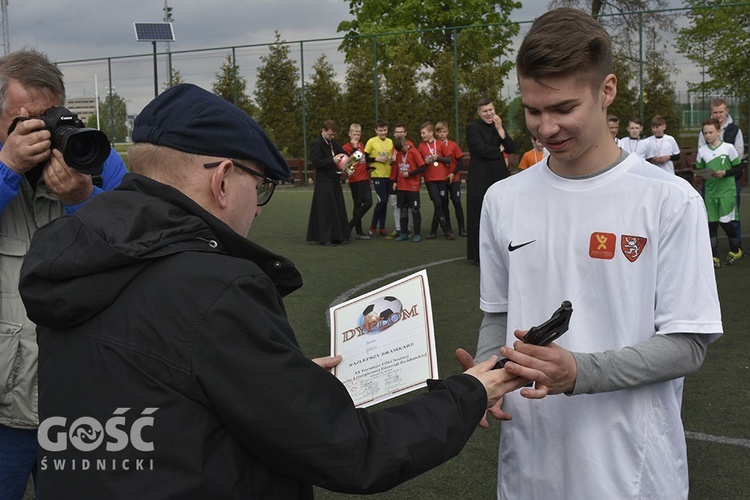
x: 386, y: 339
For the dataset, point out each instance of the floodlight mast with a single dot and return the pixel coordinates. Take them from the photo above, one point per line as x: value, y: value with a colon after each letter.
x: 168, y: 19
x: 6, y: 36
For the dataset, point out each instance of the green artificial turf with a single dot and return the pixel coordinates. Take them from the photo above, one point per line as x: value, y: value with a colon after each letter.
x: 716, y: 399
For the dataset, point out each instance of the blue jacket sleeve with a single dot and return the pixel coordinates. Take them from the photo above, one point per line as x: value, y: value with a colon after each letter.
x: 10, y: 183
x: 113, y: 172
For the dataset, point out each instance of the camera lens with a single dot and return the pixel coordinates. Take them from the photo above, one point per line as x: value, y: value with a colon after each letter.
x: 84, y: 149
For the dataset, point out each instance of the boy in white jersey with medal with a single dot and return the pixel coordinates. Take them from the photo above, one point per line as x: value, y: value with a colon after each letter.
x: 634, y: 143
x: 600, y: 228
x: 665, y: 148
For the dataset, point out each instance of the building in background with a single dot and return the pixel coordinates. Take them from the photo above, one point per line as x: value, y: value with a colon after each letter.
x: 84, y: 107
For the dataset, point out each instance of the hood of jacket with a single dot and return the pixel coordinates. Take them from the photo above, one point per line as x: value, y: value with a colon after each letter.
x: 78, y: 265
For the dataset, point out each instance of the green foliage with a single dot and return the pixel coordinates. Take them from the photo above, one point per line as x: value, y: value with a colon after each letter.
x: 625, y: 104
x: 278, y: 96
x: 175, y: 80
x: 659, y: 96
x: 481, y: 59
x: 114, y: 115
x: 400, y: 93
x: 359, y: 97
x: 718, y: 40
x: 323, y: 98
x: 232, y: 87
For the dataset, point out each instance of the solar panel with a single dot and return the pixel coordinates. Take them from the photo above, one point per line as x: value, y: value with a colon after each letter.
x: 150, y: 32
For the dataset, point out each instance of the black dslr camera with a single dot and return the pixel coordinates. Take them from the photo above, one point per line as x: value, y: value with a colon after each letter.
x: 84, y: 149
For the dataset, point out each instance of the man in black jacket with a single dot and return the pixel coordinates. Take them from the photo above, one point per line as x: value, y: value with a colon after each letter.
x: 167, y: 366
x: 487, y: 140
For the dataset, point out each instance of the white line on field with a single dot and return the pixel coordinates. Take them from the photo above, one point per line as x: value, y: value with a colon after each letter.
x: 699, y: 436
x: 352, y: 291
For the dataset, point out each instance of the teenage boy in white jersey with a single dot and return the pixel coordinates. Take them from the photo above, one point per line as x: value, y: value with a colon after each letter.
x: 666, y: 150
x: 634, y: 143
x: 600, y: 228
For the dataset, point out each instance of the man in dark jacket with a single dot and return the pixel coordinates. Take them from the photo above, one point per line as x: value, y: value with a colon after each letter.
x: 487, y: 140
x: 168, y: 368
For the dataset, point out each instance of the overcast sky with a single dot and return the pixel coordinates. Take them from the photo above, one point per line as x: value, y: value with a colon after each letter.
x: 85, y: 29
x: 81, y: 29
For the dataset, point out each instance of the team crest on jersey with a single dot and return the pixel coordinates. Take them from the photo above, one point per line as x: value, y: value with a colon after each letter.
x: 602, y: 246
x: 632, y: 246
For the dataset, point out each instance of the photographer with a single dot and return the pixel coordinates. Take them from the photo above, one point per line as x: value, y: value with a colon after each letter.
x: 36, y: 186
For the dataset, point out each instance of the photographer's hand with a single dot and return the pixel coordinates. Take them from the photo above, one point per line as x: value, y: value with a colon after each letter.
x: 69, y: 185
x: 28, y: 145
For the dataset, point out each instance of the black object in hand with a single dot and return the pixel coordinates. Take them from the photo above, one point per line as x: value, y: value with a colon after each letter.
x: 548, y: 331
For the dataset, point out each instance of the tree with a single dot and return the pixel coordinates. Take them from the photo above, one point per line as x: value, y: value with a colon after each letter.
x: 659, y: 95
x: 176, y: 79
x: 232, y: 87
x: 480, y: 52
x: 278, y: 96
x: 400, y: 93
x: 359, y: 95
x: 113, y: 118
x: 322, y: 98
x: 719, y: 41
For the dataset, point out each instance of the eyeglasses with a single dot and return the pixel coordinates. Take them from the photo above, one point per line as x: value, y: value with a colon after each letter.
x: 264, y: 191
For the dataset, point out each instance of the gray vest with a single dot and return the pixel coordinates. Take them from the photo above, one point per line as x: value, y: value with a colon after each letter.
x: 29, y: 210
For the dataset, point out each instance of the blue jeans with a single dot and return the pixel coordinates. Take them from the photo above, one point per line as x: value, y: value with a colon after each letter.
x: 17, y: 461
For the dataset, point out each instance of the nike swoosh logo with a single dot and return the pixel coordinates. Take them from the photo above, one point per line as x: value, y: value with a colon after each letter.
x: 513, y: 248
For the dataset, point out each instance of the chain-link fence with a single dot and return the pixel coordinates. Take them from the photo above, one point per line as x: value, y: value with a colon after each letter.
x: 438, y: 94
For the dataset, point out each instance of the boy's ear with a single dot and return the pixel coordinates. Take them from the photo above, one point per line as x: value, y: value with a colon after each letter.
x: 609, y: 90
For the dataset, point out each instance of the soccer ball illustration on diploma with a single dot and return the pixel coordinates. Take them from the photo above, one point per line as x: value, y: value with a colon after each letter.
x: 380, y: 314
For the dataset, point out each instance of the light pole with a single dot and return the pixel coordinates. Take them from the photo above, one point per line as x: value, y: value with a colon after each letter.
x: 168, y: 19
x: 6, y: 36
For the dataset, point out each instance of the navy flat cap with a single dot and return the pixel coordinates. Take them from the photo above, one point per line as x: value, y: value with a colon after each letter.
x: 193, y: 120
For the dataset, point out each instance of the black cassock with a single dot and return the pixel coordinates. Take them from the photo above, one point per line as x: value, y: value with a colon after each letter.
x: 328, y: 219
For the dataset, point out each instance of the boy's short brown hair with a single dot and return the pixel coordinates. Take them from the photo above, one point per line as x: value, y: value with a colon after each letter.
x: 658, y: 121
x: 711, y: 121
x: 564, y: 42
x: 428, y: 125
x: 441, y: 125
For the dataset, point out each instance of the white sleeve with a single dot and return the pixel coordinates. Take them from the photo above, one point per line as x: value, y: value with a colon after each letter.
x: 686, y: 295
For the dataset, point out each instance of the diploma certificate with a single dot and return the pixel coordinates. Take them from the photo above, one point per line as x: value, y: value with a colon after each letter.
x: 386, y: 339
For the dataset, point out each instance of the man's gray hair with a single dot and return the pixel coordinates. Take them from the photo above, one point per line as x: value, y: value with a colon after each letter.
x: 34, y: 71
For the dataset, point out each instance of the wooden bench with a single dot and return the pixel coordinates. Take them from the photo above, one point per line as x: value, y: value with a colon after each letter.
x: 297, y: 166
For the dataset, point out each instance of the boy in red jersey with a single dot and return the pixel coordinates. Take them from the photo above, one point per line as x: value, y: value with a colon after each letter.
x: 359, y: 182
x: 435, y: 179
x: 406, y: 175
x: 453, y: 175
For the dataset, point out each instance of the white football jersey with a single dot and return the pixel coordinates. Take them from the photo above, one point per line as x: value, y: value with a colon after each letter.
x: 629, y: 248
x: 665, y: 145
